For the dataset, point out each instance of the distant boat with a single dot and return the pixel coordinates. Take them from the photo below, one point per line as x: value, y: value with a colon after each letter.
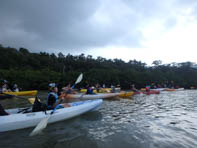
x: 160, y: 89
x: 92, y: 96
x: 23, y: 93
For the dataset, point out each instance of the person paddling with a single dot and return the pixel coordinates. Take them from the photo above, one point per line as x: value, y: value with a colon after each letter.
x: 147, y: 88
x: 5, y: 87
x: 89, y: 89
x: 53, y: 99
x: 68, y: 89
x: 15, y: 88
x: 133, y: 88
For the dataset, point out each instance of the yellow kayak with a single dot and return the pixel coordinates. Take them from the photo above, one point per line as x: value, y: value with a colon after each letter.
x: 102, y: 90
x: 22, y: 93
x: 126, y: 94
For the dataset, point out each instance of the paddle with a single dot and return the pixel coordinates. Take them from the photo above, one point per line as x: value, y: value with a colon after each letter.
x: 43, y: 123
x: 80, y: 77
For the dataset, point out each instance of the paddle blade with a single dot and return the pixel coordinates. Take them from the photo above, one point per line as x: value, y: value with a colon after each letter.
x: 79, y: 78
x: 41, y: 125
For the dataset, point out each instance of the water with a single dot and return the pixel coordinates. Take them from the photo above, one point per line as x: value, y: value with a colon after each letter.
x: 168, y: 120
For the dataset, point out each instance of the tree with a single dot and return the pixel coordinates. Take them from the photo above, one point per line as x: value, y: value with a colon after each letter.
x: 157, y: 62
x: 24, y: 51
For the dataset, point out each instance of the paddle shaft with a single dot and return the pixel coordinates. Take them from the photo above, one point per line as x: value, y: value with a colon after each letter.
x: 42, y: 124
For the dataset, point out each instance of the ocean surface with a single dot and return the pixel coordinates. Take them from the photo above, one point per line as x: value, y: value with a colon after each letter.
x: 167, y: 120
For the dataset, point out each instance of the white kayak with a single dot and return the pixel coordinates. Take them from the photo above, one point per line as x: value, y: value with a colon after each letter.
x: 180, y: 89
x: 159, y: 89
x: 93, y: 96
x: 24, y: 120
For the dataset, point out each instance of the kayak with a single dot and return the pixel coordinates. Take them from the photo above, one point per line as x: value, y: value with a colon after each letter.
x: 158, y: 89
x: 21, y: 120
x: 101, y: 90
x: 92, y: 96
x: 126, y: 94
x: 147, y: 93
x: 180, y: 89
x: 138, y: 93
x: 5, y: 96
x: 23, y: 93
x: 151, y: 92
x: 169, y: 89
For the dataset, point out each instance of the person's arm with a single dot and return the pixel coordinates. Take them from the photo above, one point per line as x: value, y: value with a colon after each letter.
x: 61, y: 97
x: 59, y: 101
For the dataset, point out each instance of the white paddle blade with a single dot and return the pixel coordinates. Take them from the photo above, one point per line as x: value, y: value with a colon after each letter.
x: 41, y: 125
x: 79, y: 78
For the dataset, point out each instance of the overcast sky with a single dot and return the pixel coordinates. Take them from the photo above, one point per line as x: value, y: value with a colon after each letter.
x: 145, y: 30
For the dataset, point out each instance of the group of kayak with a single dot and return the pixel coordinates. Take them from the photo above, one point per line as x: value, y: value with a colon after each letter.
x: 55, y: 110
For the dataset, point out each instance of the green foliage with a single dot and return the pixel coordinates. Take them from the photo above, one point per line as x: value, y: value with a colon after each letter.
x: 37, y: 70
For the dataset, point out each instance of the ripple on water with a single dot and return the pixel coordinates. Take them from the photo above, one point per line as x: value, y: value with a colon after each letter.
x: 155, y: 121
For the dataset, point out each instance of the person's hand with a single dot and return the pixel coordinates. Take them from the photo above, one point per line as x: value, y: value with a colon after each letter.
x: 61, y: 96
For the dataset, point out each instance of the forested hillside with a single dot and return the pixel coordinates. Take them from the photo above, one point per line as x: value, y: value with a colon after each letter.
x: 36, y: 70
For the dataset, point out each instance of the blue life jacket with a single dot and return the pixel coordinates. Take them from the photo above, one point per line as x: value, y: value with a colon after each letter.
x: 55, y: 95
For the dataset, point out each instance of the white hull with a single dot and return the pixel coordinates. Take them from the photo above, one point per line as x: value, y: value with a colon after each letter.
x: 180, y: 89
x: 93, y: 96
x: 19, y: 121
x: 159, y: 89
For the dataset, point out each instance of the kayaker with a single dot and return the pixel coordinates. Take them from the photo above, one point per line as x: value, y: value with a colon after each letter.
x: 89, y: 90
x: 5, y: 87
x: 68, y: 89
x: 133, y: 88
x: 2, y: 111
x: 103, y: 86
x: 97, y: 87
x: 15, y: 88
x: 113, y: 90
x: 53, y: 99
x: 147, y: 88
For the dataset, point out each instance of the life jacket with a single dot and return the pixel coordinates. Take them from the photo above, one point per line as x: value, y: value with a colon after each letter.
x: 147, y: 89
x: 56, y: 97
x: 89, y: 91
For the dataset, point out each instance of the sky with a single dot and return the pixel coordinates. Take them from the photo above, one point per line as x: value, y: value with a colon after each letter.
x: 145, y: 30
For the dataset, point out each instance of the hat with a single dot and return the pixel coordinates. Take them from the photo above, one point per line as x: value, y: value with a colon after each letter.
x: 52, y: 85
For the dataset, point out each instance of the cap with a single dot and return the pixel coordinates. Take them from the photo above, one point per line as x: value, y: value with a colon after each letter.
x: 52, y: 85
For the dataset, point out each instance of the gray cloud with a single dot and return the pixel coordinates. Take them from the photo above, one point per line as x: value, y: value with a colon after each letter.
x: 79, y: 25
